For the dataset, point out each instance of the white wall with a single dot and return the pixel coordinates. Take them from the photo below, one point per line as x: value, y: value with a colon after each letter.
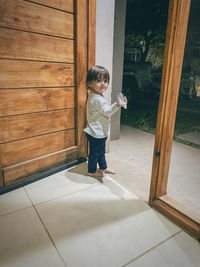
x: 110, y: 26
x: 118, y: 61
x: 104, y: 37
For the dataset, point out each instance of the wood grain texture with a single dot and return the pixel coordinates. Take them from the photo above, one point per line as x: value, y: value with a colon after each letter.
x: 41, y: 75
x: 37, y: 86
x: 31, y: 167
x: 81, y: 70
x: 19, y: 73
x: 67, y: 5
x: 1, y: 176
x: 181, y: 208
x: 173, y: 60
x: 163, y: 94
x: 23, y: 45
x: 175, y: 67
x: 24, y: 126
x: 91, y: 32
x: 32, y: 17
x: 19, y: 151
x: 173, y: 57
x: 22, y: 101
x: 180, y: 218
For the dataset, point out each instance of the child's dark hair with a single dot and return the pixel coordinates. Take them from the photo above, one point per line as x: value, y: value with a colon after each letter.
x: 97, y: 72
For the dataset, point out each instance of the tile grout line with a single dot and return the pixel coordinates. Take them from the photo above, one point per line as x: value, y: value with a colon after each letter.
x: 46, y: 230
x: 44, y: 201
x: 11, y: 212
x: 69, y: 194
x: 147, y: 251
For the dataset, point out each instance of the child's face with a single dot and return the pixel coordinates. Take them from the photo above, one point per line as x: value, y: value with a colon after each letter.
x: 99, y: 86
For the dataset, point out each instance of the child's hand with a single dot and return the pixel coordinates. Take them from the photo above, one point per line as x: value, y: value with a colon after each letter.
x: 88, y: 91
x: 120, y: 104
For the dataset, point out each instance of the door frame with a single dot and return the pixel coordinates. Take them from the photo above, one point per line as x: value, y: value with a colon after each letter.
x: 85, y: 58
x: 171, y: 74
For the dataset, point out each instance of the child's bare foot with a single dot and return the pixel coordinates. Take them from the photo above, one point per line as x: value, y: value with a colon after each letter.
x: 108, y: 170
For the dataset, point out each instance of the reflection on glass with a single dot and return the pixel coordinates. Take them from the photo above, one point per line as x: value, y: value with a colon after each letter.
x: 145, y: 32
x: 184, y: 173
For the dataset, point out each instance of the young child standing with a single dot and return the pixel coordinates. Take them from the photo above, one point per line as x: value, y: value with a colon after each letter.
x: 98, y: 115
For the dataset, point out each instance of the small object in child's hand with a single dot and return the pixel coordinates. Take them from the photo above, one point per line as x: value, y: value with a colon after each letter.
x: 120, y: 98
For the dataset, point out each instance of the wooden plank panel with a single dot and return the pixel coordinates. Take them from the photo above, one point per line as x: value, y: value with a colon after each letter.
x: 21, y: 101
x: 19, y: 73
x: 36, y: 18
x: 91, y: 32
x: 81, y: 70
x: 23, y: 45
x: 19, y: 151
x: 1, y: 176
x: 28, y: 168
x: 66, y: 5
x: 24, y: 126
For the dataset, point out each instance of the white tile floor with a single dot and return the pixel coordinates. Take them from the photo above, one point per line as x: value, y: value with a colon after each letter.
x: 132, y: 154
x: 70, y: 219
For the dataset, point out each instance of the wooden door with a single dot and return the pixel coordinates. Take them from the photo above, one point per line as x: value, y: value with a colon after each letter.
x: 173, y: 60
x: 43, y: 62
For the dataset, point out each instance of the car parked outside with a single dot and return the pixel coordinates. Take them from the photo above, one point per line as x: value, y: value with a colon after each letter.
x: 156, y: 76
x: 188, y: 82
x: 136, y: 79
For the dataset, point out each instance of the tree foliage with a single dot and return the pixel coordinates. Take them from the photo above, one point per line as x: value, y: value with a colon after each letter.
x: 145, y: 25
x: 192, y: 46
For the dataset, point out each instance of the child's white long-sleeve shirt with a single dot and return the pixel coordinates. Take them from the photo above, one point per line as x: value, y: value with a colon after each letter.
x: 98, y: 115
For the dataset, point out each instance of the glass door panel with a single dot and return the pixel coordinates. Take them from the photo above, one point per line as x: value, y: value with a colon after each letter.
x: 184, y: 173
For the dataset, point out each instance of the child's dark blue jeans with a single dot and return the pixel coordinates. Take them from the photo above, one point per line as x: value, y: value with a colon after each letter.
x: 96, y: 154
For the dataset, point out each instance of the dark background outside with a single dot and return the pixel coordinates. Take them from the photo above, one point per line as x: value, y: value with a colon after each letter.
x: 146, y: 23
